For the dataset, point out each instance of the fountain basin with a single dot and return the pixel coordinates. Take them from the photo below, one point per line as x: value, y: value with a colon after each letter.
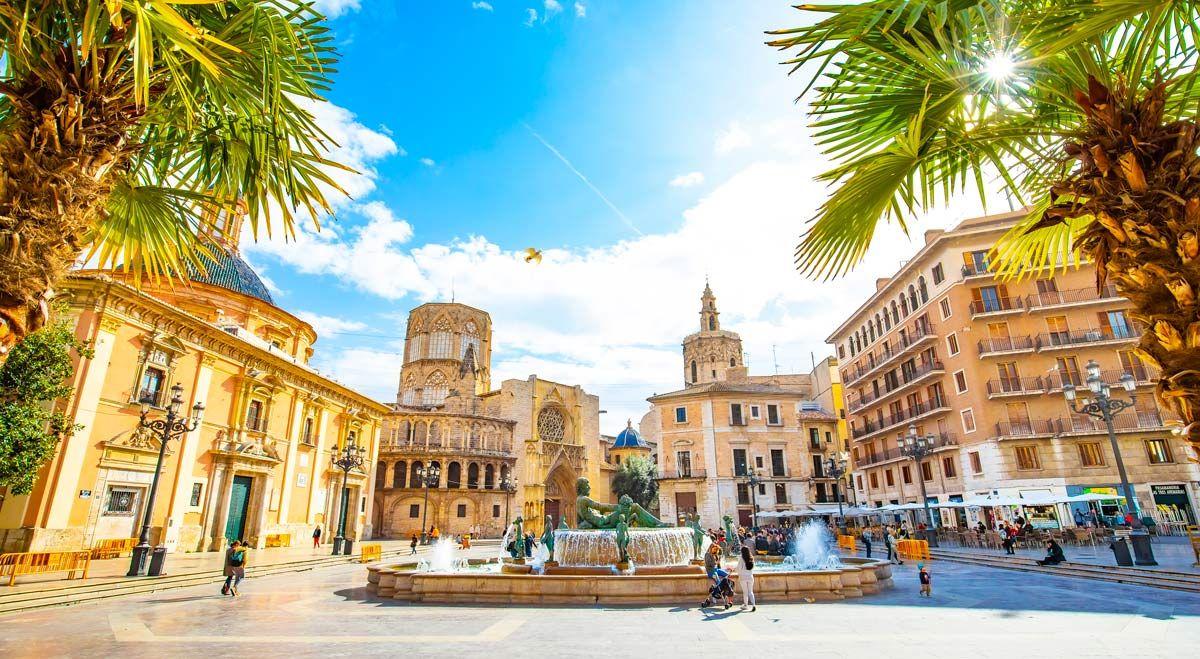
x: 856, y: 578
x: 647, y: 547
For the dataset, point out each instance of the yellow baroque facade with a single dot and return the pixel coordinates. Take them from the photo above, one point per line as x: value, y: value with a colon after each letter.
x: 540, y: 434
x: 258, y: 465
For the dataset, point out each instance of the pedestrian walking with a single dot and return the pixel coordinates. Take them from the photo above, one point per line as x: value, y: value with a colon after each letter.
x: 413, y: 545
x: 866, y: 540
x: 746, y: 578
x: 890, y: 541
x: 1008, y: 535
x: 317, y: 537
x: 235, y: 567
x: 926, y: 580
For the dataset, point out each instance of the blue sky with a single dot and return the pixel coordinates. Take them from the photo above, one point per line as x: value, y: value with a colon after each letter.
x: 643, y: 145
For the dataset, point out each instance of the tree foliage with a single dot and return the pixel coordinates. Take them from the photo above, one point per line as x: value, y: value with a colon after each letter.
x: 34, y: 377
x: 636, y: 478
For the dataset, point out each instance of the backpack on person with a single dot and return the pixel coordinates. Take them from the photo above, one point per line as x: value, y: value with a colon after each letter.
x: 238, y: 559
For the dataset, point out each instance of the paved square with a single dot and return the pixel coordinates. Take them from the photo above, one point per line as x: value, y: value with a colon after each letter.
x: 975, y: 612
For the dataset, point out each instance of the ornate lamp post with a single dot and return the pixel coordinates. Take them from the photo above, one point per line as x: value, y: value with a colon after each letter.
x: 752, y: 482
x: 429, y: 477
x: 509, y: 485
x: 172, y: 427
x: 1103, y: 406
x: 351, y: 458
x: 835, y: 467
x: 917, y: 448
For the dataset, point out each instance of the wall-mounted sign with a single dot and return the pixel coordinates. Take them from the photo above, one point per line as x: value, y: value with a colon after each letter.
x: 85, y: 494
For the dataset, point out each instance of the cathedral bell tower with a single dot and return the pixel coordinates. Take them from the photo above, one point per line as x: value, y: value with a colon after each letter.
x: 711, y: 352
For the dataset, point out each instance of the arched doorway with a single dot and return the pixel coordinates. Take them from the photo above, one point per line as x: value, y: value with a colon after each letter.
x: 560, y: 495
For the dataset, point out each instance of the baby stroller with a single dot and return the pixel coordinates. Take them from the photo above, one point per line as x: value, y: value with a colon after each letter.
x: 721, y: 589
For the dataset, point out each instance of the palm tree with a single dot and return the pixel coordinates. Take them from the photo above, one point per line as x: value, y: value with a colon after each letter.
x: 127, y: 126
x: 1084, y: 110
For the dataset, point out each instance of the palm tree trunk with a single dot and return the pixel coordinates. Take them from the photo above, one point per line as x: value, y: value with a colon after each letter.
x: 57, y: 148
x: 1140, y: 178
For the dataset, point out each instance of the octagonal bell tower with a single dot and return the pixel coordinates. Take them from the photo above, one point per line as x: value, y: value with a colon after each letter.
x: 710, y: 353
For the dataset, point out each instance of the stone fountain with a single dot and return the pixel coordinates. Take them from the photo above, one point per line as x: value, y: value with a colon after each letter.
x: 621, y: 554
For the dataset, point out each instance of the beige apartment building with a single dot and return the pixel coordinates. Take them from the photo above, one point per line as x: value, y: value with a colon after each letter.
x: 980, y: 365
x: 725, y: 425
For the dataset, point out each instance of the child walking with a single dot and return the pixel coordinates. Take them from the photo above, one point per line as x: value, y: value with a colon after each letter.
x: 926, y: 580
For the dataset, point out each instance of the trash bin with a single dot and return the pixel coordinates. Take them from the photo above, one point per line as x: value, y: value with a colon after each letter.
x: 348, y: 547
x: 1120, y: 550
x: 1143, y: 553
x: 158, y: 557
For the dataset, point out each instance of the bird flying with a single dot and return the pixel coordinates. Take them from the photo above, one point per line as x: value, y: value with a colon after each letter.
x: 533, y: 255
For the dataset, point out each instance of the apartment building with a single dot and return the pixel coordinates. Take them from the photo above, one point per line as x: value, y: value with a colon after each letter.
x: 979, y: 365
x: 731, y: 443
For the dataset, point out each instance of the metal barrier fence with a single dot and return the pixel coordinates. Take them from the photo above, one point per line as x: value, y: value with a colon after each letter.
x: 913, y: 549
x: 40, y: 562
x: 371, y: 552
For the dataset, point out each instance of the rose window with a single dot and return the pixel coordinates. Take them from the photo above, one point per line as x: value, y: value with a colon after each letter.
x: 551, y: 425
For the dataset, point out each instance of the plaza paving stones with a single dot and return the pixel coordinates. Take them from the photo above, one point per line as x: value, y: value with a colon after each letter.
x: 975, y: 612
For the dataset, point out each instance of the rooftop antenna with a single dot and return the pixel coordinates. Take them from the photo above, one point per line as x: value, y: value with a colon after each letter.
x: 813, y: 358
x: 775, y: 359
x: 452, y: 289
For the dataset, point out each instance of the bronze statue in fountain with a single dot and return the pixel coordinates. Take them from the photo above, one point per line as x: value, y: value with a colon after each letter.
x: 592, y: 514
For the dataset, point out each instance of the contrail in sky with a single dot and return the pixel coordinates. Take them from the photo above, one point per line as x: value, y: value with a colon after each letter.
x: 583, y: 178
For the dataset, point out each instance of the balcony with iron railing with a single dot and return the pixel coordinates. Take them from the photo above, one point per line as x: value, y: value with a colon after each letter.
x: 907, y: 378
x: 681, y: 474
x: 1073, y: 297
x: 1091, y: 336
x: 996, y: 306
x: 1015, y: 386
x: 1123, y: 422
x: 972, y: 270
x: 1027, y: 428
x: 943, y: 440
x: 905, y: 415
x: 1143, y: 376
x: 913, y: 336
x: 1005, y: 345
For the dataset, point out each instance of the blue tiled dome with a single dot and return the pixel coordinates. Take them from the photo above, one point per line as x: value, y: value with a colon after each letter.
x: 629, y: 438
x: 227, y: 270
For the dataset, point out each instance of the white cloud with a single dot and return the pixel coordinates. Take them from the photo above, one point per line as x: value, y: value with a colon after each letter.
x: 734, y: 137
x: 551, y: 7
x: 357, y: 147
x: 687, y: 180
x: 329, y: 326
x: 428, y: 162
x: 580, y: 10
x: 611, y: 318
x: 335, y: 8
x: 482, y: 6
x: 531, y: 16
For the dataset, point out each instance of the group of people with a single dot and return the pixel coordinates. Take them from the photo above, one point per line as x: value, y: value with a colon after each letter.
x: 235, y: 566
x: 889, y: 535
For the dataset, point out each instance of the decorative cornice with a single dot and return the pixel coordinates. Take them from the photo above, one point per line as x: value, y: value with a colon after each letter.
x: 110, y: 324
x: 125, y: 304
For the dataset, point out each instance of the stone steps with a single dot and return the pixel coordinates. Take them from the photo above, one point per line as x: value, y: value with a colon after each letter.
x: 69, y: 592
x: 1172, y: 580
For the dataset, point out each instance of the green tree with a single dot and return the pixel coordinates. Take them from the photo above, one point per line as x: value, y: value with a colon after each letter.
x: 33, y: 378
x: 636, y: 478
x: 1083, y: 109
x: 126, y: 125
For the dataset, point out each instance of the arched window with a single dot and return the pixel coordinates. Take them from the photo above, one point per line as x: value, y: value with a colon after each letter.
x: 470, y: 337
x: 903, y: 305
x: 871, y: 331
x: 503, y: 472
x: 435, y: 434
x: 399, y: 473
x: 887, y: 320
x: 414, y: 478
x: 732, y: 362
x: 436, y: 388
x: 420, y: 433
x: 712, y: 323
x: 924, y: 291
x: 895, y: 313
x: 454, y: 475
x: 440, y: 341
x: 693, y: 370
x: 489, y: 477
x: 473, y: 476
x: 476, y: 437
x: 381, y: 475
x: 912, y: 298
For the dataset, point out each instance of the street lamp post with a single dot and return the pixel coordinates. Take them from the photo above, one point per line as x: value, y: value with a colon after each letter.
x: 351, y: 458
x: 509, y: 485
x: 917, y: 448
x: 429, y: 477
x: 172, y: 427
x: 1104, y: 406
x: 753, y: 481
x: 836, y: 467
